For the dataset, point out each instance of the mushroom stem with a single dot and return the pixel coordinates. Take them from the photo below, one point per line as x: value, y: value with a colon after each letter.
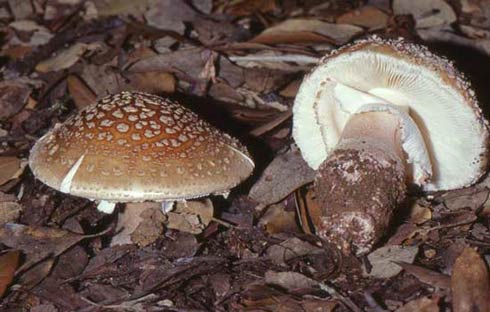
x: 361, y: 182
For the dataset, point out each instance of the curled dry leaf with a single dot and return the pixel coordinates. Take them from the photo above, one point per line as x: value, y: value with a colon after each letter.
x: 294, y: 31
x: 470, y: 283
x: 285, y: 173
x: 277, y: 220
x: 13, y: 97
x: 67, y: 58
x: 121, y: 7
x: 8, y: 264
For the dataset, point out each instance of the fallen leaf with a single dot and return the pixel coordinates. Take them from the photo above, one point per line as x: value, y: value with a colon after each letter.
x: 139, y: 223
x: 150, y: 228
x: 67, y: 58
x: 426, y: 13
x: 470, y: 283
x: 80, y: 92
x: 22, y: 9
x: 249, y: 7
x: 291, y: 89
x: 419, y: 214
x: 289, y: 249
x: 38, y: 242
x: 276, y: 220
x: 424, y: 304
x: 169, y: 15
x: 13, y: 97
x: 9, y: 167
x: 10, y: 209
x: 366, y: 16
x: 283, y: 175
x: 473, y: 198
x: 153, y: 82
x: 39, y: 35
x: 294, y: 31
x: 121, y: 7
x: 308, y: 209
x: 191, y: 216
x: 8, y: 265
x: 290, y: 280
x: 429, y: 277
x: 384, y: 260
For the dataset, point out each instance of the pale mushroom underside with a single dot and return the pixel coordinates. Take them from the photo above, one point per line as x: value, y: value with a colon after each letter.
x: 453, y: 131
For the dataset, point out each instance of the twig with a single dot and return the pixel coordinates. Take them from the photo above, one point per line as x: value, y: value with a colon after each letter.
x: 296, y: 58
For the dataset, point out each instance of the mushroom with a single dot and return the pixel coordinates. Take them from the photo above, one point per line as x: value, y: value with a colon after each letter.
x: 376, y: 118
x: 133, y: 147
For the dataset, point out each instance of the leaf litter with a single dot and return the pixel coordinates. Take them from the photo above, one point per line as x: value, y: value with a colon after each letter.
x: 239, y: 64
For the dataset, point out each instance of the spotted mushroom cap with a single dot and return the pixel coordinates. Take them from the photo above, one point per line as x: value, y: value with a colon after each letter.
x: 133, y: 146
x: 436, y: 96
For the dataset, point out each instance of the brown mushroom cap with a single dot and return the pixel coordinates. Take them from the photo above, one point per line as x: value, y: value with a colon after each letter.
x: 133, y: 146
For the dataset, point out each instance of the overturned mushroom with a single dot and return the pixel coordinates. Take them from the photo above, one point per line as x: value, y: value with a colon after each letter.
x: 377, y: 117
x: 133, y: 147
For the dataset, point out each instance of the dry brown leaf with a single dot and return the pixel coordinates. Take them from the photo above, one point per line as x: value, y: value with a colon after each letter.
x: 38, y: 242
x: 277, y: 220
x: 291, y: 88
x: 473, y: 198
x: 169, y: 15
x: 427, y: 276
x: 67, y: 57
x: 13, y: 97
x: 308, y: 210
x: 8, y: 266
x: 290, y: 280
x: 10, y: 209
x: 153, y: 82
x: 366, y: 16
x: 249, y: 7
x: 80, y: 92
x: 384, y: 260
x: 9, y: 168
x: 191, y: 216
x: 289, y: 249
x: 419, y: 214
x: 121, y: 7
x: 426, y: 13
x: 423, y: 304
x: 139, y: 223
x: 470, y: 283
x: 307, y: 31
x: 285, y: 173
x: 150, y: 228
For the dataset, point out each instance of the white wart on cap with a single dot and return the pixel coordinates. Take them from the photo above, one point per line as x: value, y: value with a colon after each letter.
x: 436, y: 96
x: 133, y: 147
